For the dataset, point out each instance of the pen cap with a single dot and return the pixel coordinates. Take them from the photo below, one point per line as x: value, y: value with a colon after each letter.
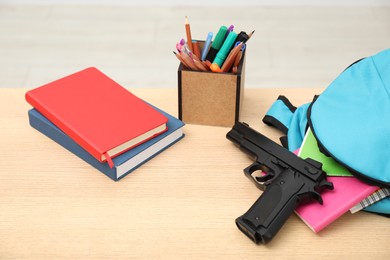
x: 206, y: 45
x: 219, y: 38
x: 224, y: 51
x: 242, y: 37
x: 217, y: 43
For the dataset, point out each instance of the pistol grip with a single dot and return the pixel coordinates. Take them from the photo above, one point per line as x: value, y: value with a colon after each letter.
x: 268, y: 214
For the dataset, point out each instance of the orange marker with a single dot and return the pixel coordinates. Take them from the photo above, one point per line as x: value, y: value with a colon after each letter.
x: 215, y: 68
x: 189, y: 38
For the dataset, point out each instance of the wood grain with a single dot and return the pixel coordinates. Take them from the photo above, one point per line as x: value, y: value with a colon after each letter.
x: 181, y: 204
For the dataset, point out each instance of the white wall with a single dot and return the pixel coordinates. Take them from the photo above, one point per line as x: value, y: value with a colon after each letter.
x: 201, y: 2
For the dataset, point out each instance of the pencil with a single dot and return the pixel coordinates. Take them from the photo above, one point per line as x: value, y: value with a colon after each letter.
x: 198, y: 62
x: 188, y: 32
x: 181, y: 60
x: 188, y: 60
x: 206, y: 64
x: 250, y: 34
x: 236, y: 62
x: 195, y: 46
x: 199, y: 65
x: 227, y: 65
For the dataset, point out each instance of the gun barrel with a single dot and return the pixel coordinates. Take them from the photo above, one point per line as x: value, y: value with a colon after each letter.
x: 262, y: 147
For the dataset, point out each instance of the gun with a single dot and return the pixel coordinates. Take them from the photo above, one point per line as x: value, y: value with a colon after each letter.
x: 287, y: 181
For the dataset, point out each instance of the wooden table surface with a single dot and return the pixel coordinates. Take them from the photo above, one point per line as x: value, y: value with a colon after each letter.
x: 180, y: 205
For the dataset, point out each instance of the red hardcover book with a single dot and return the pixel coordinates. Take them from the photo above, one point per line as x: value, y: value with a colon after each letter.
x: 97, y: 113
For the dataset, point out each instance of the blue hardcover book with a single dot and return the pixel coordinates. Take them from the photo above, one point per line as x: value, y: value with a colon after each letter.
x: 124, y: 163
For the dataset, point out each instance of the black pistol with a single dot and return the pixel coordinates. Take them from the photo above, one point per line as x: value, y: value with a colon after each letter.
x: 287, y: 181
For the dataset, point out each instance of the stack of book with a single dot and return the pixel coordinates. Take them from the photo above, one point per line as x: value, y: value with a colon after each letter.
x: 101, y: 122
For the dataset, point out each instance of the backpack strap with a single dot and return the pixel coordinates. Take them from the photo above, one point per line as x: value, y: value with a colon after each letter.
x: 290, y: 120
x: 279, y: 116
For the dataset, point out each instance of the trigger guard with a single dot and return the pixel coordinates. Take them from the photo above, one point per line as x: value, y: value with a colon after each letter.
x: 261, y: 182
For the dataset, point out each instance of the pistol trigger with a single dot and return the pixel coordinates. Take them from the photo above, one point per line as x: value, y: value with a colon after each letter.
x: 256, y: 173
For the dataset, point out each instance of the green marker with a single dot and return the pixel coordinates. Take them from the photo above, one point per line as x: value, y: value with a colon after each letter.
x: 225, y: 49
x: 217, y: 43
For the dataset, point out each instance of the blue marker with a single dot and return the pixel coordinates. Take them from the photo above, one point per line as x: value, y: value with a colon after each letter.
x: 207, y: 45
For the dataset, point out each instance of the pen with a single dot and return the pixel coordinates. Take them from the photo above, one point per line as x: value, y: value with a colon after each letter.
x: 241, y: 37
x: 188, y: 32
x: 217, y: 43
x: 224, y: 51
x: 230, y: 29
x: 179, y: 45
x: 231, y: 58
x: 206, y: 45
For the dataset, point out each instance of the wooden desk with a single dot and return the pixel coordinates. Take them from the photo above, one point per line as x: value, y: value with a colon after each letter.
x: 180, y: 205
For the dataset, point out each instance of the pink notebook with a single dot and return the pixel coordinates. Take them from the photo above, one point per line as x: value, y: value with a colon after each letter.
x: 347, y: 192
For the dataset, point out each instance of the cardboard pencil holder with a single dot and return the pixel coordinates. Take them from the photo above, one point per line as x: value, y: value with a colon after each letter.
x: 208, y: 98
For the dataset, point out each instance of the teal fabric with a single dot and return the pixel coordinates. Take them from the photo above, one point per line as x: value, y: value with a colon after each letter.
x: 351, y: 118
x: 382, y: 207
x: 297, y: 128
x: 281, y: 112
x: 294, y: 121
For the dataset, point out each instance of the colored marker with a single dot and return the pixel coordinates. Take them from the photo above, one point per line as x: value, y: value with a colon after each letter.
x: 241, y: 37
x: 179, y: 45
x: 230, y: 29
x: 217, y: 43
x: 215, y: 68
x: 225, y: 49
x: 206, y: 45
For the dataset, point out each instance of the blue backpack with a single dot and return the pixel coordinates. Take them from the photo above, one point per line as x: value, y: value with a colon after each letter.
x: 350, y: 121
